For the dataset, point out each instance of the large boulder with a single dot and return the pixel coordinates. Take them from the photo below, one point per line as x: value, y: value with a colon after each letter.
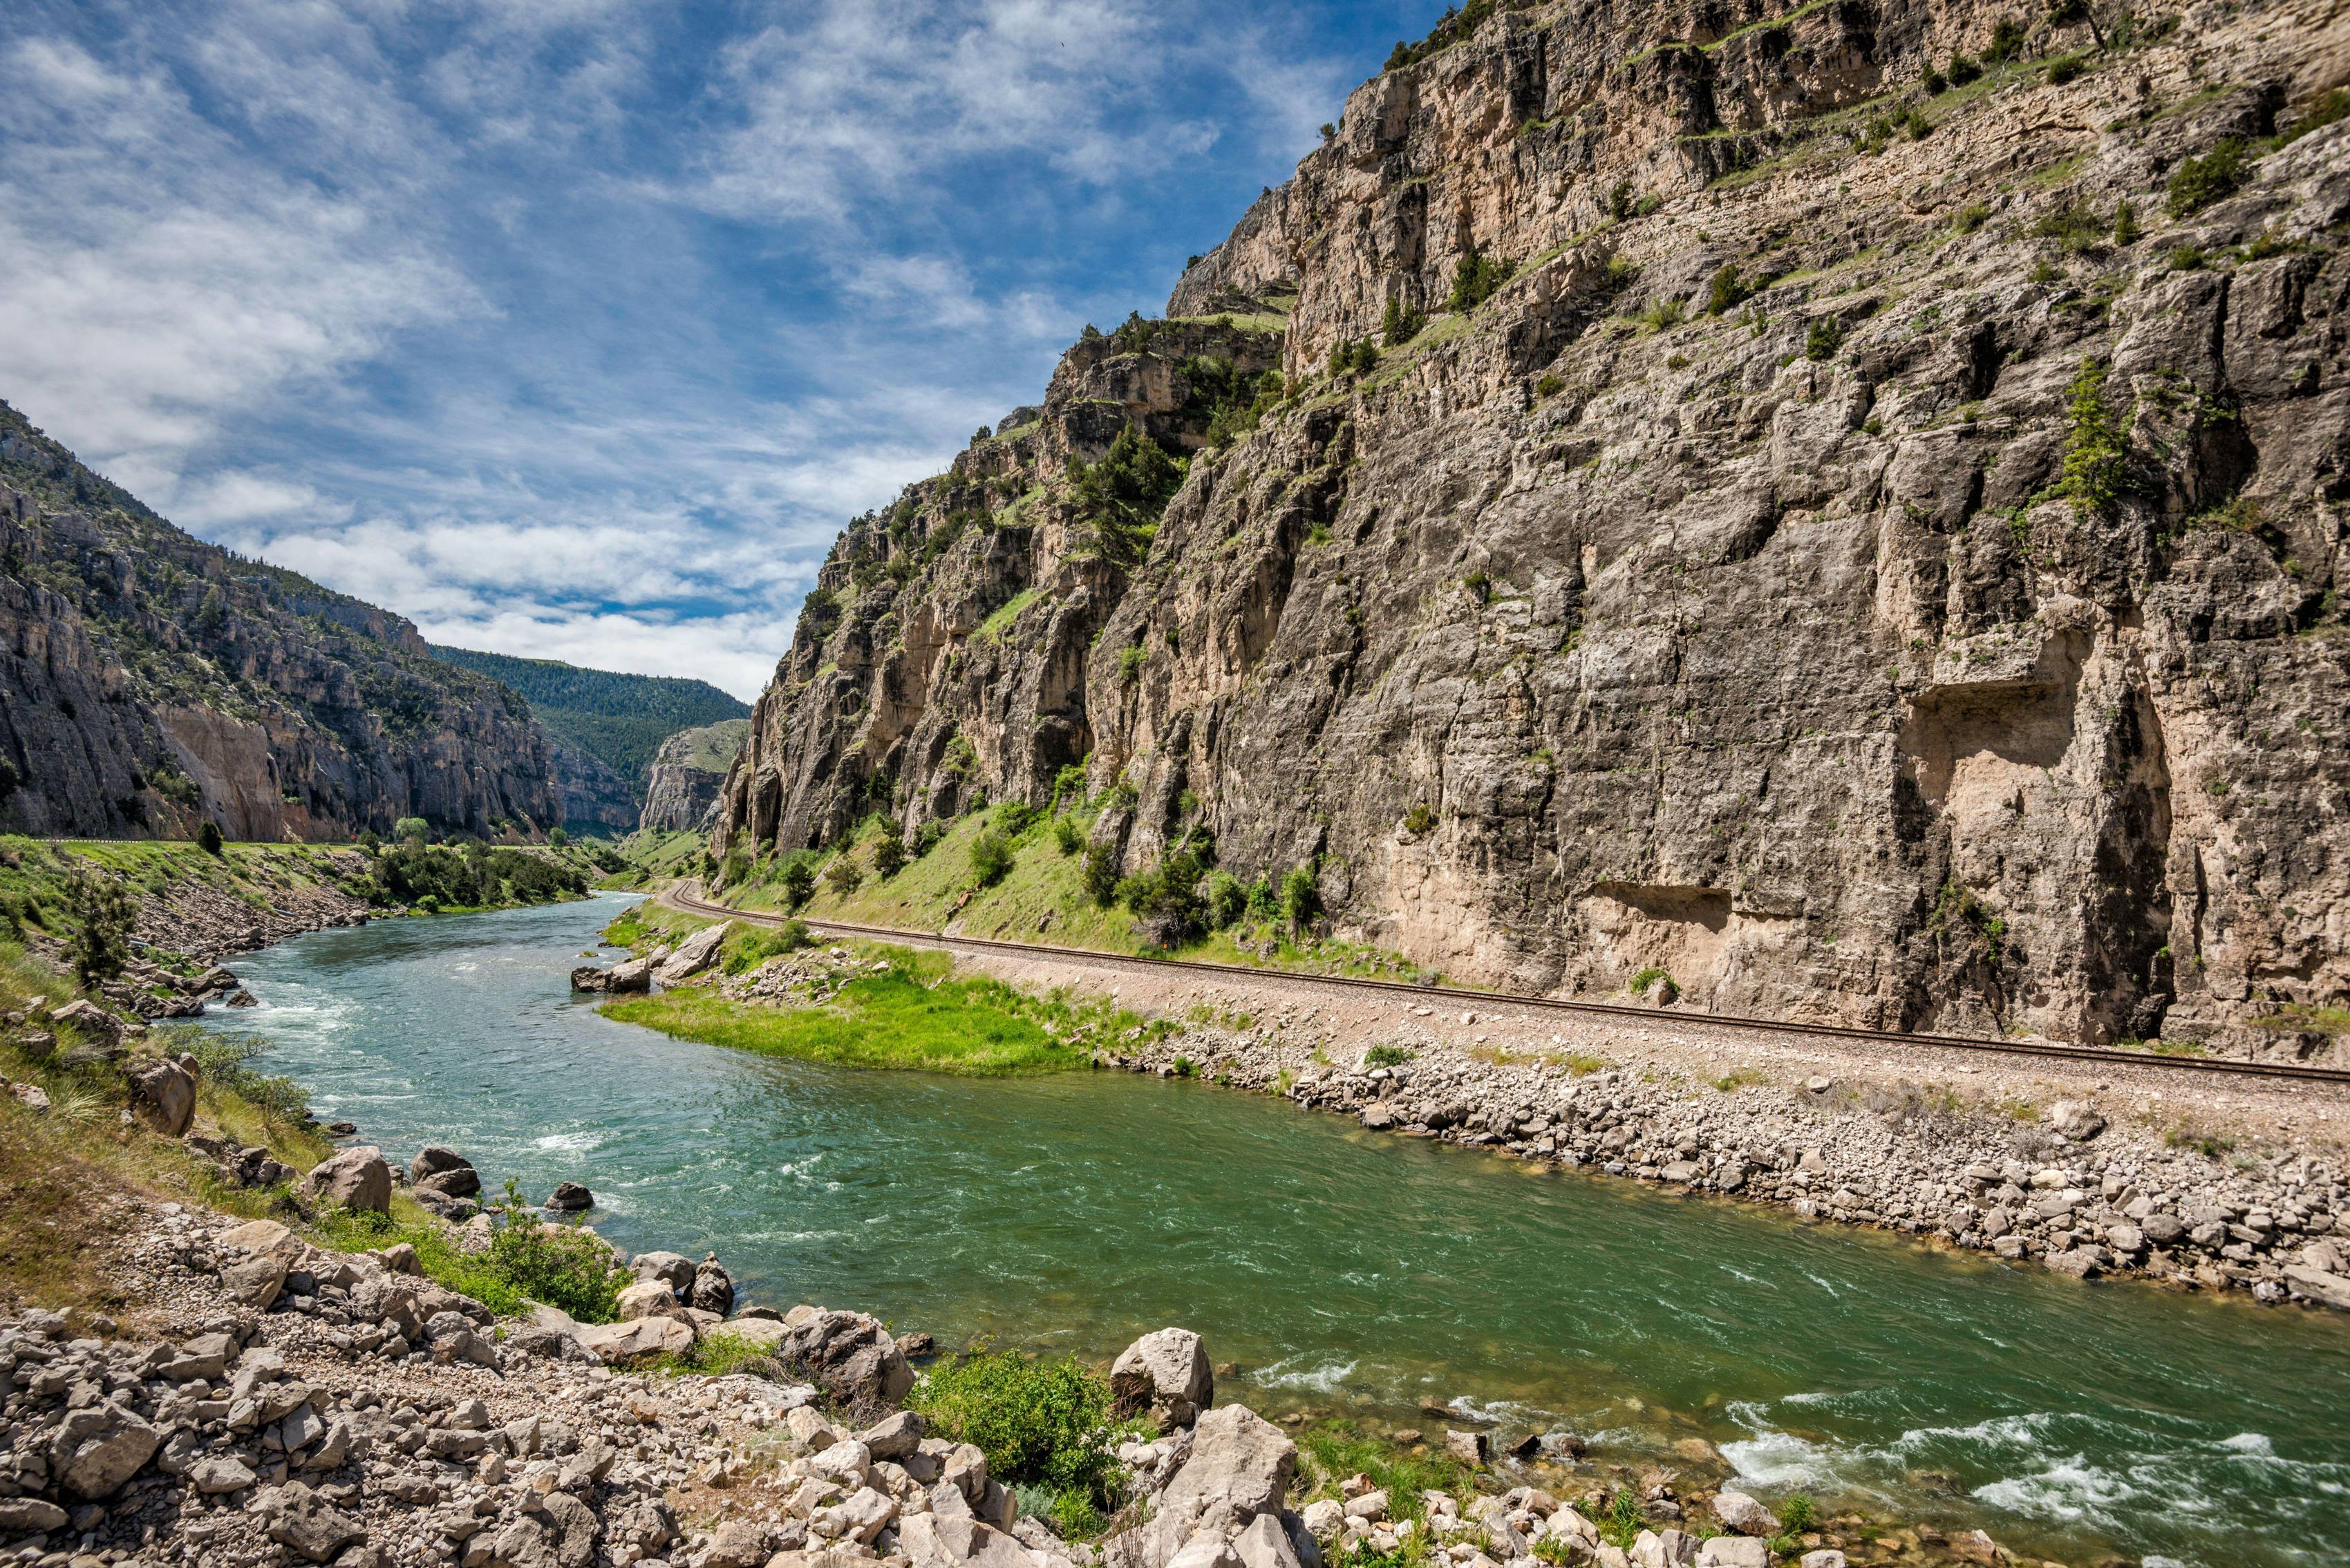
x: 628, y: 976
x: 98, y: 1448
x: 1165, y: 1373
x: 93, y: 1022
x: 165, y: 1096
x: 646, y: 1298
x: 714, y: 1287
x: 1744, y: 1514
x: 851, y: 1355
x: 1240, y: 1467
x: 694, y: 955
x: 445, y: 1171
x: 675, y: 1270
x: 2077, y: 1120
x: 638, y: 1337
x: 356, y: 1179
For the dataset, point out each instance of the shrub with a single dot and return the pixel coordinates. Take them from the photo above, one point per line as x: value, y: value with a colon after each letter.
x: 1166, y: 899
x: 1725, y: 292
x: 1419, y: 819
x: 929, y: 837
x: 888, y: 855
x: 1385, y: 1056
x: 1654, y: 978
x: 1549, y: 386
x: 2064, y: 68
x: 101, y: 912
x: 1963, y: 70
x: 208, y: 837
x: 2333, y: 106
x: 1300, y: 899
x: 1066, y: 835
x: 558, y: 838
x: 2097, y: 450
x: 1224, y: 899
x: 1118, y: 501
x: 1661, y: 315
x: 2200, y: 181
x: 799, y: 882
x: 1933, y: 81
x: 2125, y: 229
x: 843, y: 877
x: 2187, y: 258
x: 1971, y: 216
x: 1040, y: 1421
x: 1101, y: 875
x: 1824, y: 338
x: 222, y: 1061
x: 2074, y: 224
x: 754, y: 945
x: 2006, y: 41
x: 990, y: 858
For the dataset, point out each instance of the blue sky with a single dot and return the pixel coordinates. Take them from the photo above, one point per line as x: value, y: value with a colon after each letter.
x: 576, y: 328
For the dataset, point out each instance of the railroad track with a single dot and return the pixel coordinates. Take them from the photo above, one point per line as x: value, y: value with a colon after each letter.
x: 686, y: 896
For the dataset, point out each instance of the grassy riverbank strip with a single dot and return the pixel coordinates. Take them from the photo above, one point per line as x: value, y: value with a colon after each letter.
x: 885, y: 1007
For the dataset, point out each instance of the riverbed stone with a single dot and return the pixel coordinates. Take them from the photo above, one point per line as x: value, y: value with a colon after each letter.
x: 1744, y: 1514
x: 356, y: 1179
x: 1734, y: 1551
x: 1165, y: 1373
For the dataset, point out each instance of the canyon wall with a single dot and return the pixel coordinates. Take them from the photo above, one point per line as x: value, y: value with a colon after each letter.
x: 149, y: 681
x: 1874, y: 558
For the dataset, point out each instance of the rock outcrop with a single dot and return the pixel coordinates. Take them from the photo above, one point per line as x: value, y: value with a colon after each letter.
x: 1867, y: 552
x: 152, y: 681
x: 681, y: 792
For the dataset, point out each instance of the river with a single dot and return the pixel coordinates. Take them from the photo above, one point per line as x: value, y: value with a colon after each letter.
x: 1342, y: 1270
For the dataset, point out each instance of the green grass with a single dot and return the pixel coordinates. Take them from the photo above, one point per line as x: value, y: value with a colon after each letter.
x: 1330, y: 1452
x: 529, y: 1260
x: 995, y: 626
x: 978, y: 1028
x: 2307, y: 1018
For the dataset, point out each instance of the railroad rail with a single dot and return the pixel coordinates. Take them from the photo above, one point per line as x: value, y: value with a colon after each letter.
x: 678, y: 897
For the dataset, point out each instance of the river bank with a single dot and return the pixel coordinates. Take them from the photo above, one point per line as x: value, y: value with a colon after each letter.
x: 2090, y: 1170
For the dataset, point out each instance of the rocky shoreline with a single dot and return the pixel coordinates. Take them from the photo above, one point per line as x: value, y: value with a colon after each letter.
x: 2065, y: 1187
x: 278, y: 1402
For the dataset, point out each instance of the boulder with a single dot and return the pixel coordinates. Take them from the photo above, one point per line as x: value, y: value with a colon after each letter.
x: 694, y: 955
x: 94, y: 1023
x: 570, y: 1198
x: 444, y: 1170
x: 255, y: 1281
x: 646, y: 1298
x: 356, y: 1179
x: 29, y: 1516
x: 1734, y: 1551
x: 851, y: 1355
x: 1268, y: 1543
x: 2077, y: 1120
x: 714, y: 1287
x: 944, y: 1540
x: 2333, y: 1290
x: 98, y: 1448
x: 1240, y: 1467
x: 895, y: 1438
x: 300, y: 1520
x: 1165, y: 1373
x: 673, y: 1269
x: 638, y: 1336
x: 165, y: 1095
x: 1467, y: 1447
x: 1744, y: 1514
x: 1826, y: 1558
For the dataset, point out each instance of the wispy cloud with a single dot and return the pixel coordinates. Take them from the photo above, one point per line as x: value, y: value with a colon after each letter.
x: 576, y: 327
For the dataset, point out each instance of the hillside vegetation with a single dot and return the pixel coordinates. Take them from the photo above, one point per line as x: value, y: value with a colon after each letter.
x: 619, y: 720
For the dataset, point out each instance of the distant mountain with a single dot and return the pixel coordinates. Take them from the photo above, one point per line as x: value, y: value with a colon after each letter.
x: 149, y: 681
x: 607, y: 727
x: 688, y: 773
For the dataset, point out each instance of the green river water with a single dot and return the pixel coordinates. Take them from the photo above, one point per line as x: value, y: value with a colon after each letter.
x: 1344, y: 1271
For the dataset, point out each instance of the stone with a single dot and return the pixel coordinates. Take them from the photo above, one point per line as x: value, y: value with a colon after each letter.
x: 849, y: 1354
x: 29, y: 1516
x: 570, y: 1198
x: 644, y: 1298
x: 355, y: 1178
x: 894, y: 1438
x: 618, y: 1342
x: 1240, y: 1467
x: 98, y: 1448
x: 1205, y: 1549
x: 1267, y: 1542
x: 1744, y: 1514
x: 1327, y: 1519
x: 165, y: 1096
x: 2077, y: 1120
x: 2331, y: 1290
x: 219, y: 1474
x: 712, y: 1289
x: 1467, y: 1447
x: 1827, y: 1557
x: 860, y: 1516
x: 694, y: 955
x: 1734, y: 1551
x: 465, y: 1182
x: 1165, y: 1373
x: 299, y: 1520
x: 671, y: 1269
x: 738, y: 1543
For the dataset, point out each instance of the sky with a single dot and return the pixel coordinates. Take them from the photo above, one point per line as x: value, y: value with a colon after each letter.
x: 576, y: 328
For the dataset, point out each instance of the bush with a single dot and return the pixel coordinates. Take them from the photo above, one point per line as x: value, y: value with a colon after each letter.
x: 208, y: 837
x: 558, y: 838
x: 1971, y: 216
x: 1399, y: 325
x: 799, y: 882
x: 2200, y: 181
x: 888, y: 855
x: 1042, y: 1422
x: 990, y: 858
x: 1224, y: 900
x: 2097, y: 450
x: 2006, y: 41
x: 1118, y: 501
x: 1300, y: 899
x: 1725, y: 292
x: 2125, y: 229
x: 1935, y: 83
x: 1166, y: 900
x: 1385, y: 1056
x: 2064, y: 68
x: 1824, y: 338
x: 413, y: 828
x: 1653, y: 978
x: 1549, y: 386
x: 560, y: 1264
x: 1130, y: 661
x: 843, y: 877
x: 1663, y: 314
x: 1068, y: 836
x: 1101, y: 875
x: 221, y: 1061
x: 101, y: 912
x: 1963, y: 70
x: 1419, y: 819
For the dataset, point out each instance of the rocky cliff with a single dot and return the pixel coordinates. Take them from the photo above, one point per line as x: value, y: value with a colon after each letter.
x: 682, y: 792
x: 1842, y: 505
x: 149, y: 681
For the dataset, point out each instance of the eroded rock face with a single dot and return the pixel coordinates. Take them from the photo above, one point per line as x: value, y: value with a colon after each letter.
x: 1766, y: 645
x: 682, y: 791
x: 321, y: 715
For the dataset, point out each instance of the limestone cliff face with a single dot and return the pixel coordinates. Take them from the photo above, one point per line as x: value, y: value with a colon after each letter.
x: 682, y: 792
x: 149, y: 681
x: 1835, y: 567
